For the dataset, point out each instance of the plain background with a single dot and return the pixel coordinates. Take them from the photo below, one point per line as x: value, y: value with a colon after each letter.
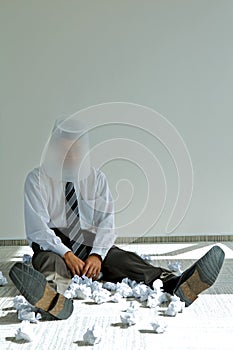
x: 175, y: 56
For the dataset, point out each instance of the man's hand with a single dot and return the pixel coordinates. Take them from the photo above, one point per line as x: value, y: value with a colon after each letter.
x: 92, y: 266
x: 75, y: 264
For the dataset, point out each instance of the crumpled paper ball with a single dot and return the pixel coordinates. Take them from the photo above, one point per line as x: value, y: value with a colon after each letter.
x: 27, y: 259
x: 20, y: 302
x: 82, y: 292
x: 81, y: 280
x: 159, y: 326
x: 109, y: 286
x: 128, y: 318
x: 155, y: 296
x: 158, y: 286
x: 80, y: 287
x: 96, y: 286
x: 70, y: 293
x: 175, y: 306
x: 84, y: 288
x: 175, y: 266
x: 86, y: 280
x: 146, y: 257
x: 164, y: 297
x: 101, y: 296
x: 26, y: 311
x: 76, y: 279
x: 3, y: 280
x: 117, y: 298
x: 93, y: 335
x: 130, y: 315
x: 28, y: 315
x: 141, y: 291
x: 124, y: 289
x: 171, y: 310
x: 25, y: 332
x: 153, y: 300
x: 130, y: 282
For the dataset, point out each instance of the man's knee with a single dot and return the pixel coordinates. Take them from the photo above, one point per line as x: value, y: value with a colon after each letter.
x: 50, y: 262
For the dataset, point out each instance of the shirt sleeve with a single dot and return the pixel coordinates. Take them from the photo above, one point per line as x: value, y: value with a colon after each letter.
x: 104, y: 218
x: 37, y: 217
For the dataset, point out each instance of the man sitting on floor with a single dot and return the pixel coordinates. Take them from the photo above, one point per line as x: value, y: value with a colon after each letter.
x: 69, y: 221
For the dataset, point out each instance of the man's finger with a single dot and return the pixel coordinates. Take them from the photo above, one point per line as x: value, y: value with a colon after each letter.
x: 86, y: 268
x: 78, y: 272
x: 95, y: 275
x: 90, y: 273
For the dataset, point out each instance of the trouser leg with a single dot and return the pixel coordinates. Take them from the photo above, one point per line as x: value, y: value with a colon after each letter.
x: 117, y: 265
x: 120, y: 263
x: 54, y: 269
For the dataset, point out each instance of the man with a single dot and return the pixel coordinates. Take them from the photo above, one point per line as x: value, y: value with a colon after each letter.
x: 69, y: 221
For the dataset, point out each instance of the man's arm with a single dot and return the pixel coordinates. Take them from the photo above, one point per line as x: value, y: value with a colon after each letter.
x: 37, y: 217
x: 36, y: 223
x: 105, y: 227
x: 104, y: 218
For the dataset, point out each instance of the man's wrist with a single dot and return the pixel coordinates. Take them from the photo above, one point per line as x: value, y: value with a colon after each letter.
x: 67, y: 253
x: 98, y: 256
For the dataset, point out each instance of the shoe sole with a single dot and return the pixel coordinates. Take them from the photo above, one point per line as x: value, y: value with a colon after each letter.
x: 34, y: 287
x: 204, y: 273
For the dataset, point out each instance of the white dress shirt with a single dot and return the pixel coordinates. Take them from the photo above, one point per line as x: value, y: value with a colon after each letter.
x: 44, y: 208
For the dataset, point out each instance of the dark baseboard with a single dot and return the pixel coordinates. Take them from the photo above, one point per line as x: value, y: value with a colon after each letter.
x: 176, y: 239
x: 13, y: 242
x: 152, y: 239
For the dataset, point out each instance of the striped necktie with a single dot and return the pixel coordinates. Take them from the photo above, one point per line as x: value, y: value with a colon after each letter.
x: 73, y: 223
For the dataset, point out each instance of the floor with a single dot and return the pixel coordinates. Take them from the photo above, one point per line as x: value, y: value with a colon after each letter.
x: 206, y: 324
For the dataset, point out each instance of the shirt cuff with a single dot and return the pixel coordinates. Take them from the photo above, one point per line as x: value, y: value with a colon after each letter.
x: 100, y: 251
x: 61, y: 249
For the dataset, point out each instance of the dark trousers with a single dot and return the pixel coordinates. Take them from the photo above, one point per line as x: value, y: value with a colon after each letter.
x: 118, y: 264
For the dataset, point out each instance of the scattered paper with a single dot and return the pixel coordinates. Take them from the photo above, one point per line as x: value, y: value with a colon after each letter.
x: 128, y: 318
x: 3, y: 280
x: 124, y: 289
x: 109, y: 286
x: 130, y: 282
x: 146, y: 257
x: 69, y: 293
x: 25, y: 332
x: 79, y: 288
x: 130, y: 315
x: 84, y: 287
x: 175, y: 306
x: 171, y: 310
x: 101, y: 296
x: 141, y: 291
x: 116, y: 298
x: 93, y: 335
x: 26, y: 311
x: 96, y: 286
x: 20, y: 302
x: 164, y: 297
x: 158, y: 326
x: 27, y: 259
x: 175, y: 267
x: 82, y: 292
x: 158, y: 286
x: 28, y: 315
x: 153, y: 300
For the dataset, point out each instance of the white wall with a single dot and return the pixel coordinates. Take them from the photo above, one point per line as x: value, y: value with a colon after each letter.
x: 175, y: 56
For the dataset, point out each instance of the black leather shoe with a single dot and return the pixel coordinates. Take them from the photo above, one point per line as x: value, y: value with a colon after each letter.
x: 200, y: 275
x: 34, y: 287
